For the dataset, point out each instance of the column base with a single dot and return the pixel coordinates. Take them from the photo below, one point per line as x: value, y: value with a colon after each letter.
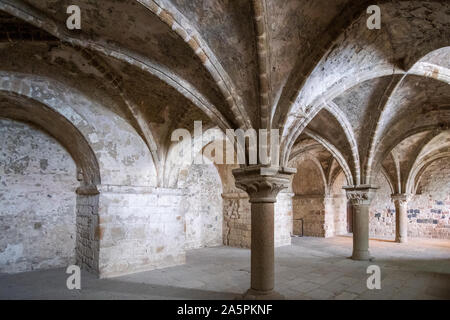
x: 401, y: 240
x: 253, y: 294
x: 361, y: 256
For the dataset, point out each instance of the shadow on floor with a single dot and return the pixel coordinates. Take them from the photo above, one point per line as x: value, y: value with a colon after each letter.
x: 51, y: 284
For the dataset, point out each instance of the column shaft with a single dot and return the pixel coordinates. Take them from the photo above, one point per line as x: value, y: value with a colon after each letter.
x: 262, y: 247
x: 401, y: 217
x: 360, y: 198
x: 360, y: 232
x: 262, y: 184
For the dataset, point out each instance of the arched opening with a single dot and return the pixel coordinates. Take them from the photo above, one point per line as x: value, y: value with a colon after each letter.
x: 309, y: 200
x: 54, y: 134
x: 47, y: 219
x: 37, y: 185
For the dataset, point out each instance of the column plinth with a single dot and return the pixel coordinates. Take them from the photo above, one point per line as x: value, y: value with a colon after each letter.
x: 262, y: 184
x: 401, y: 217
x: 360, y: 198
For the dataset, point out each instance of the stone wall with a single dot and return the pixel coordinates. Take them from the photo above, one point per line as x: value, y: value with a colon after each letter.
x: 284, y: 212
x: 37, y: 200
x: 429, y: 210
x: 203, y: 207
x: 141, y: 228
x: 382, y: 211
x: 339, y: 205
x: 237, y: 220
x: 87, y: 239
x: 339, y: 213
x: 321, y: 215
x: 237, y: 213
x: 311, y: 209
x: 309, y: 199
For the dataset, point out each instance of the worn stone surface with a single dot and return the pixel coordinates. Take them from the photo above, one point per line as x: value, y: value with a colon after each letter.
x: 427, y: 211
x: 312, y: 268
x: 237, y: 220
x: 339, y: 206
x: 140, y: 229
x: 203, y: 207
x: 37, y: 200
x: 309, y: 211
x: 382, y: 212
x: 354, y: 107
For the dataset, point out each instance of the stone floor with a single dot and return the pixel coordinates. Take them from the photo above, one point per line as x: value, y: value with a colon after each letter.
x: 312, y: 268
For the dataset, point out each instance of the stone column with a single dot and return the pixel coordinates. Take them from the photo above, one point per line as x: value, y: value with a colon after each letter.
x: 401, y: 217
x: 262, y: 184
x: 360, y: 198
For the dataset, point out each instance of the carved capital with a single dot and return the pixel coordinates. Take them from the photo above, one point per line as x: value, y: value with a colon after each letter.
x: 262, y: 183
x: 360, y: 195
x: 401, y: 199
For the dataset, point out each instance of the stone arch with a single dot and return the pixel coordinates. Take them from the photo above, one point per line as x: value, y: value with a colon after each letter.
x: 384, y: 59
x: 427, y: 72
x: 336, y: 154
x: 309, y: 187
x: 316, y: 186
x: 388, y: 180
x: 292, y: 130
x: 133, y: 165
x: 164, y: 74
x: 126, y: 168
x: 23, y: 109
x: 38, y: 183
x: 433, y: 59
x: 382, y: 154
x: 428, y: 206
x: 422, y: 69
x: 420, y: 167
x: 204, y: 207
x: 328, y: 42
x: 348, y: 130
x: 168, y: 14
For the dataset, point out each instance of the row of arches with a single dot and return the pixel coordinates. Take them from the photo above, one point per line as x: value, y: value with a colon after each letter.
x: 316, y: 189
x: 354, y: 107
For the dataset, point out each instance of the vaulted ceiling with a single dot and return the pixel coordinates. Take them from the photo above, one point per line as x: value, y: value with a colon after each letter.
x: 310, y: 68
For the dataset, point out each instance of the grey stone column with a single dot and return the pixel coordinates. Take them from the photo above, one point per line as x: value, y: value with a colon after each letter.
x: 360, y: 198
x: 262, y: 184
x: 401, y: 217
